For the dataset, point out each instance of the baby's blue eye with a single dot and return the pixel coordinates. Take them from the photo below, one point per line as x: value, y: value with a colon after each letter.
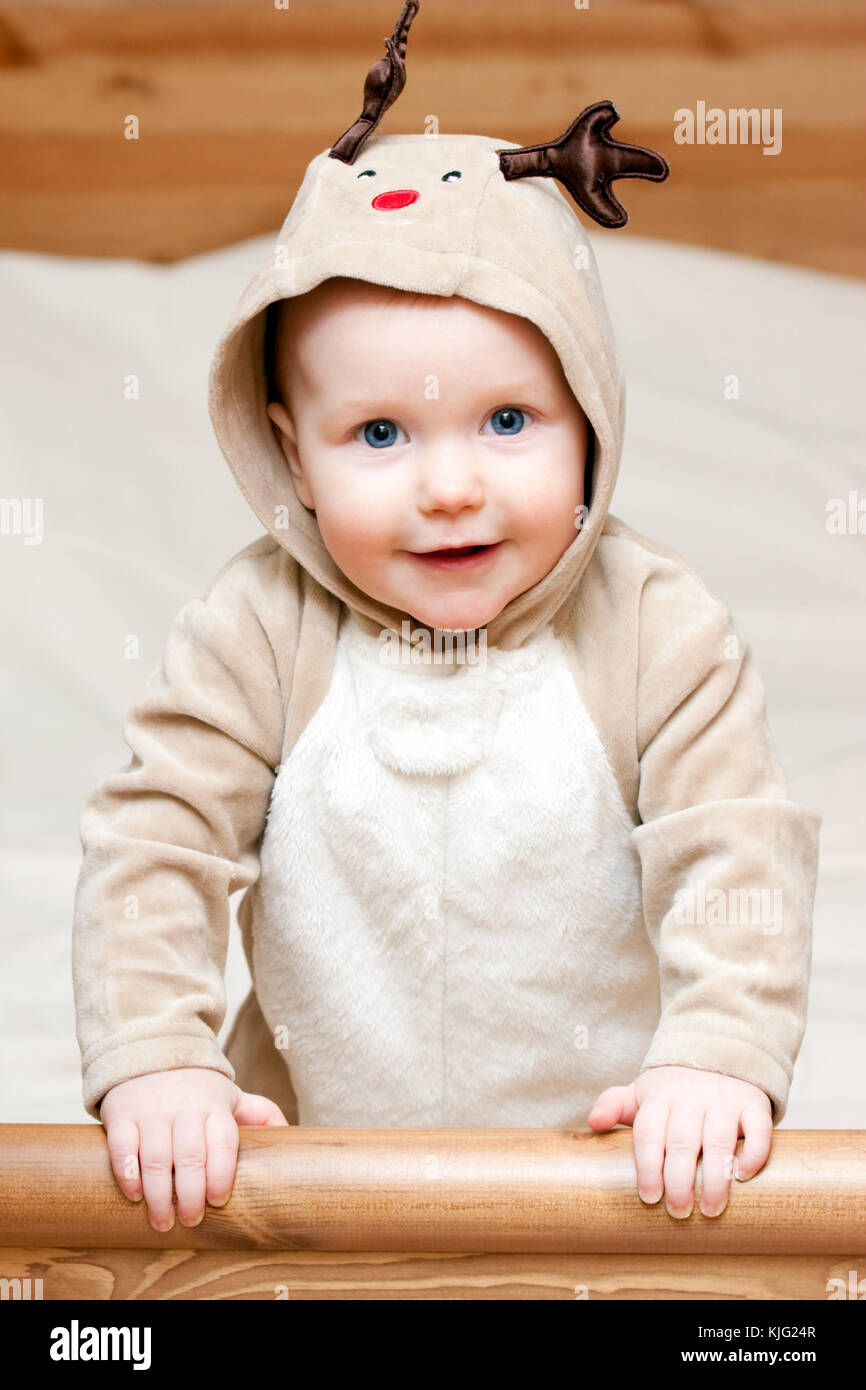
x: 380, y: 433
x: 367, y: 174
x: 507, y: 420
x: 451, y: 175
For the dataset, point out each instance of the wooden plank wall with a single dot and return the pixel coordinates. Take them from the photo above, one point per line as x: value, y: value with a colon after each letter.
x: 234, y: 99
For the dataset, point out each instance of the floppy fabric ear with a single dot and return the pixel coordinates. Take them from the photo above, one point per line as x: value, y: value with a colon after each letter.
x: 385, y: 81
x: 585, y: 159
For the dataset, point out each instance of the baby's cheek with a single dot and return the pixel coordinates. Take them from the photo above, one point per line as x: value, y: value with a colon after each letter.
x: 555, y: 522
x: 356, y: 539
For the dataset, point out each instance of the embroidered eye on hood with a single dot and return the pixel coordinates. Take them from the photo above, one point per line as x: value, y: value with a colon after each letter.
x: 440, y: 214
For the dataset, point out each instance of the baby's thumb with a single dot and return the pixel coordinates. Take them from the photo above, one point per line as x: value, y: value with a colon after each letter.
x: 258, y: 1110
x: 615, y: 1106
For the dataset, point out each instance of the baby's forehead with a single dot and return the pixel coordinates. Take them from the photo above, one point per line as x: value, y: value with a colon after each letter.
x: 299, y: 358
x: 295, y: 321
x: 294, y: 317
x: 339, y: 291
x: 350, y: 299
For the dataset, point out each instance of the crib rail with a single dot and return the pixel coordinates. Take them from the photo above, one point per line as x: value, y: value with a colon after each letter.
x: 436, y: 1213
x: 435, y: 1190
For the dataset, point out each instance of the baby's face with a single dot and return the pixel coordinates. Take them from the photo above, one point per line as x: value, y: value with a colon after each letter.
x: 414, y: 426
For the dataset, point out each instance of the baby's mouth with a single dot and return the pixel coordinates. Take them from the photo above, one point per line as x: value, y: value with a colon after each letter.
x: 457, y: 552
x: 457, y: 557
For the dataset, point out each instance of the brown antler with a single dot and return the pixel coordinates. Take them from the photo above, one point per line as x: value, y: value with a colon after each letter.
x: 385, y: 81
x: 585, y: 159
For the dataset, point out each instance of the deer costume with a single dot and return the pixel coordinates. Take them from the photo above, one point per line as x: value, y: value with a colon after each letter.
x: 424, y: 953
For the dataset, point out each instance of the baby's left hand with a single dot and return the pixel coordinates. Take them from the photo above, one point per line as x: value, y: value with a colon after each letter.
x: 674, y: 1113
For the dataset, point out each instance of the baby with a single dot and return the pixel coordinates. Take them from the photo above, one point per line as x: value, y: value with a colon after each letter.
x: 546, y: 875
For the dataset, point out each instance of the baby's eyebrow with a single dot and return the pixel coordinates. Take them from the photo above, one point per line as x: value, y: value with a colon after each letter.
x: 526, y: 389
x: 367, y: 408
x: 492, y: 394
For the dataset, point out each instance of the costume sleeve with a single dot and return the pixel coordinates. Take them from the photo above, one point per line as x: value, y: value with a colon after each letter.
x: 729, y: 863
x: 168, y: 839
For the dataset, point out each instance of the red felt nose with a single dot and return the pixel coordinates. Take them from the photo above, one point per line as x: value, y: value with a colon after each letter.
x: 397, y: 198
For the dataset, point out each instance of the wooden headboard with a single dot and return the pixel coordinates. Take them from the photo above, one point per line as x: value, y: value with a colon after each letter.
x: 234, y: 99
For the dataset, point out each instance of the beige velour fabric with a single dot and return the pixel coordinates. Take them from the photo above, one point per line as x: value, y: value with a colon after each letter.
x: 672, y: 689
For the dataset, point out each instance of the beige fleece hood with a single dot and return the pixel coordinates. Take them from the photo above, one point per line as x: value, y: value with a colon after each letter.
x: 464, y: 215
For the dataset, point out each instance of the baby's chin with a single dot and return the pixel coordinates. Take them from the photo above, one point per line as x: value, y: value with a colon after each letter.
x: 457, y: 618
x: 462, y: 612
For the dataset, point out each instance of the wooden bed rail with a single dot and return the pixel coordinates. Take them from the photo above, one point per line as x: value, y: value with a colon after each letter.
x: 526, y: 1190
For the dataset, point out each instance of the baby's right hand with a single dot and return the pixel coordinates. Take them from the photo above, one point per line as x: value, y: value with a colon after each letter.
x: 188, y: 1118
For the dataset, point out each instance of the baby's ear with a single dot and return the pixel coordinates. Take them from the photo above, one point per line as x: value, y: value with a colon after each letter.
x: 280, y: 418
x: 284, y: 429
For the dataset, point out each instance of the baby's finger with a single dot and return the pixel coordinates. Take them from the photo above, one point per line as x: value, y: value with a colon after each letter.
x: 648, y: 1137
x: 190, y: 1166
x: 721, y: 1131
x: 615, y: 1106
x: 682, y: 1146
x: 258, y: 1110
x: 757, y: 1127
x: 275, y: 1115
x: 221, y: 1135
x: 123, y: 1140
x: 155, y: 1159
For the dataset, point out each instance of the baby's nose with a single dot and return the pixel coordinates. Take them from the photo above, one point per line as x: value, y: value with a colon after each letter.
x: 397, y: 198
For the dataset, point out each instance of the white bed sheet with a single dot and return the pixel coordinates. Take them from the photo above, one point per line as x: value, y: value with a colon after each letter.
x: 140, y: 511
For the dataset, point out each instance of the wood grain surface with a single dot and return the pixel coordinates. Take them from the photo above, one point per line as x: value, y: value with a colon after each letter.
x: 473, y: 1191
x: 234, y: 99
x: 98, y: 1274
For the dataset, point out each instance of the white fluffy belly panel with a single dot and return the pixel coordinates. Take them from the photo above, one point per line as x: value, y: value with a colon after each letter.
x: 453, y: 932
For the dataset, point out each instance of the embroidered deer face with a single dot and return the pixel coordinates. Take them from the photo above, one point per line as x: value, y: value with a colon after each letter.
x: 585, y: 158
